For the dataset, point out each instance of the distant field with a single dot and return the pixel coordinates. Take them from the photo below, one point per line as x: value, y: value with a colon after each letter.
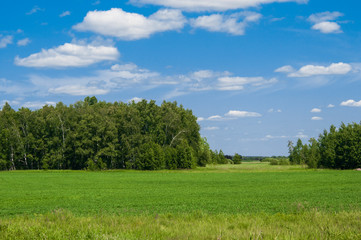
x: 219, y: 195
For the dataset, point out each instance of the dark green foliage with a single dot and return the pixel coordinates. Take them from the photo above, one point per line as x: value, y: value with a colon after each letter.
x: 96, y: 135
x: 237, y: 159
x: 151, y: 157
x: 185, y: 157
x: 204, y: 155
x: 338, y: 149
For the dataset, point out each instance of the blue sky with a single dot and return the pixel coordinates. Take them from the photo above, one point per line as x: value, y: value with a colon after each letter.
x: 256, y: 73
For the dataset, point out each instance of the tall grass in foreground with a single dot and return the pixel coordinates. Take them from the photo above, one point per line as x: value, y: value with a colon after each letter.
x: 61, y: 224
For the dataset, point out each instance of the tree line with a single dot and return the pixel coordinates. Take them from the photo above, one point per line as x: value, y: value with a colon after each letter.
x: 338, y: 148
x: 92, y: 134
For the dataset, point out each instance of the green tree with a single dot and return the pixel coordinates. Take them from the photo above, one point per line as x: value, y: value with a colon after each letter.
x: 237, y: 159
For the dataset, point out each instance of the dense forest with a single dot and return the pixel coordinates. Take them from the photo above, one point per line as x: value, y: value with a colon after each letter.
x: 100, y: 135
x: 339, y: 148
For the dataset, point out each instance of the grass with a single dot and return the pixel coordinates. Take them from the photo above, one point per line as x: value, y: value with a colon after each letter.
x: 61, y: 224
x: 251, y: 200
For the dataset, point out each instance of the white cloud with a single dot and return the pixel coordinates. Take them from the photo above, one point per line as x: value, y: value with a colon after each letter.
x: 285, y: 69
x: 211, y: 5
x: 69, y: 55
x: 351, y: 103
x: 37, y: 104
x: 271, y: 110
x: 316, y: 118
x: 322, y: 22
x: 211, y: 128
x: 35, y: 9
x: 23, y: 42
x: 131, y: 26
x: 66, y: 13
x: 316, y: 110
x: 301, y: 135
x: 135, y: 100
x: 215, y: 118
x: 78, y: 90
x: 239, y: 83
x: 203, y: 74
x: 330, y: 106
x: 270, y: 137
x: 100, y: 82
x: 242, y: 114
x: 200, y: 119
x: 327, y: 27
x: 234, y: 24
x: 324, y: 16
x: 5, y: 41
x: 312, y: 70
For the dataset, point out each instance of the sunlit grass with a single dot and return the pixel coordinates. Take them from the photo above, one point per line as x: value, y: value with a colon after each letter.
x: 247, y: 201
x: 61, y: 224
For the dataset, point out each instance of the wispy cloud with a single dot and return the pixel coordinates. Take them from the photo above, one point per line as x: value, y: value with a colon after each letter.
x: 64, y: 14
x: 210, y: 5
x: 5, y: 41
x: 316, y: 118
x: 23, y: 42
x: 234, y: 24
x: 37, y: 104
x: 35, y: 9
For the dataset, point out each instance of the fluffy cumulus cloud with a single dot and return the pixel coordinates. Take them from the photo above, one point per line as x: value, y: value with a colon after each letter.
x: 131, y: 26
x: 69, y: 55
x: 135, y: 100
x: 314, y: 70
x: 5, y: 41
x: 324, y: 22
x: 234, y: 24
x: 242, y: 114
x: 211, y: 5
x: 330, y: 106
x: 238, y: 83
x: 316, y: 110
x: 351, y: 103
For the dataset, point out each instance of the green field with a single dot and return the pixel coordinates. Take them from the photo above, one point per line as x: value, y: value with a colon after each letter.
x: 237, y: 200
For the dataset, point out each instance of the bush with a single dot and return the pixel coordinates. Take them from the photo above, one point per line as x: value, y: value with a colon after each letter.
x: 237, y: 159
x: 273, y: 161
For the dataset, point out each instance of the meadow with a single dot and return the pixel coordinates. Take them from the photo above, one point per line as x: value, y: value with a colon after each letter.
x: 247, y: 201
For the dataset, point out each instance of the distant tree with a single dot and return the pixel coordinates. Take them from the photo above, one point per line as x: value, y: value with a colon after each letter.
x: 237, y: 159
x: 221, y: 158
